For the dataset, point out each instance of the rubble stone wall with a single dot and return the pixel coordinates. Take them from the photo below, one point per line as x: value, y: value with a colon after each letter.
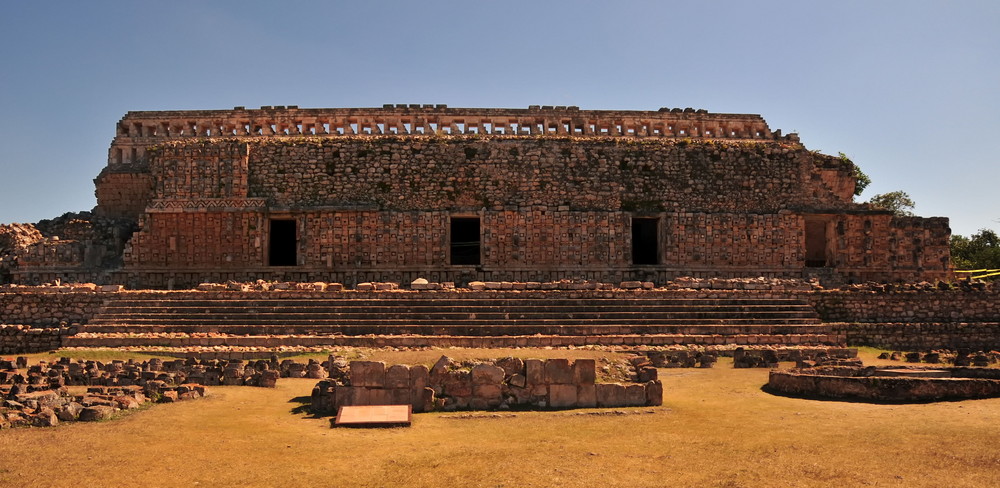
x: 507, y: 383
x: 49, y: 308
x: 907, y: 306
x: 975, y: 336
x: 21, y: 339
x: 123, y: 194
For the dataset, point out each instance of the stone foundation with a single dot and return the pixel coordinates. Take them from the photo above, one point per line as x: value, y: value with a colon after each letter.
x: 503, y: 383
x: 874, y: 384
x: 21, y: 339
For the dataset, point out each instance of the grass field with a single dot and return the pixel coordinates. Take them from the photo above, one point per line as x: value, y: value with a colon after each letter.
x: 716, y: 428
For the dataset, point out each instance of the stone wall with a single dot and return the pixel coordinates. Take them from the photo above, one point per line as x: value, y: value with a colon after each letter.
x: 503, y: 383
x: 952, y: 305
x: 469, y: 173
x: 21, y: 339
x: 123, y: 194
x: 40, y: 307
x: 860, y: 383
x: 923, y: 336
x: 373, y: 191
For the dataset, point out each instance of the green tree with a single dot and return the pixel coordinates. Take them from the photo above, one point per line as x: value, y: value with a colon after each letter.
x: 861, y: 180
x: 979, y: 251
x: 898, y: 201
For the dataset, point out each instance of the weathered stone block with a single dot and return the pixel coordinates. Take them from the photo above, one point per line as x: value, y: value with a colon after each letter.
x: 422, y: 399
x: 397, y: 376
x: 558, y: 371
x: 487, y: 374
x: 647, y: 373
x: 368, y: 373
x: 586, y: 396
x: 584, y: 371
x: 635, y: 395
x: 344, y: 396
x: 511, y: 365
x: 96, y: 412
x: 562, y: 396
x: 654, y: 393
x: 419, y: 376
x: 534, y: 371
x: 610, y: 395
x: 458, y: 383
x: 488, y: 391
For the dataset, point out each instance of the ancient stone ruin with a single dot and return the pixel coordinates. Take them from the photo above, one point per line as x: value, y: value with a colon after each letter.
x: 507, y: 383
x: 408, y: 192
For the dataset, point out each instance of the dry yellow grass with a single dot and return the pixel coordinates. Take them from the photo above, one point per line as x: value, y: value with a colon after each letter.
x: 716, y: 428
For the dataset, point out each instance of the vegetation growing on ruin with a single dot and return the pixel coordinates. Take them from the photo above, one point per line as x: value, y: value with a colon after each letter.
x: 978, y: 251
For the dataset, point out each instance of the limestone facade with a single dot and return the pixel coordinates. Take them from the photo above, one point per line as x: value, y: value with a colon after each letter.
x: 544, y: 193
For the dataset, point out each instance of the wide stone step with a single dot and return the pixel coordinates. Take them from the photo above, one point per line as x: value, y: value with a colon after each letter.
x: 466, y: 329
x: 335, y: 307
x: 343, y: 322
x: 112, y: 341
x: 282, y: 316
x: 448, y: 302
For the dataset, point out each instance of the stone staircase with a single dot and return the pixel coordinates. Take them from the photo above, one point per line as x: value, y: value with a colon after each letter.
x: 451, y: 320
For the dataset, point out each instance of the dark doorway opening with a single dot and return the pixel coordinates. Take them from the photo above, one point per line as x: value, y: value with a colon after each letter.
x: 465, y: 247
x: 815, y: 244
x: 283, y: 244
x: 645, y: 241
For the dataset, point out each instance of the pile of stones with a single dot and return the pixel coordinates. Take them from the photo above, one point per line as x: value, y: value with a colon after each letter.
x: 40, y: 397
x: 770, y: 357
x: 211, y: 372
x: 23, y: 406
x: 958, y: 358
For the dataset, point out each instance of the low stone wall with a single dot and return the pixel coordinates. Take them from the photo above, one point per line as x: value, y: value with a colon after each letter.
x: 22, y: 339
x: 922, y: 336
x: 952, y: 305
x: 503, y: 383
x: 863, y: 384
x: 51, y: 306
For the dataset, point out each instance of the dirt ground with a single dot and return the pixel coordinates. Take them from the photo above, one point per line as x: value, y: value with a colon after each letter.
x: 715, y: 428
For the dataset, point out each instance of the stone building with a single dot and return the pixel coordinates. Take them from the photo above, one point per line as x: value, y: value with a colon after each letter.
x: 453, y: 194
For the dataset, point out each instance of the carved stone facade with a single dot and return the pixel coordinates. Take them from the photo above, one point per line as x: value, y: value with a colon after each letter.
x: 535, y: 194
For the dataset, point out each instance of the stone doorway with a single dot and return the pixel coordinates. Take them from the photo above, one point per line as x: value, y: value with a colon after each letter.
x: 283, y: 243
x: 465, y: 241
x: 816, y: 243
x: 645, y: 240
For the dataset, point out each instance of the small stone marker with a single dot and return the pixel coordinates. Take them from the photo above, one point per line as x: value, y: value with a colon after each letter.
x: 374, y: 416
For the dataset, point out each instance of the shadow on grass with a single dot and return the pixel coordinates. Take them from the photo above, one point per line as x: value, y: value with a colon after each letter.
x: 304, y: 407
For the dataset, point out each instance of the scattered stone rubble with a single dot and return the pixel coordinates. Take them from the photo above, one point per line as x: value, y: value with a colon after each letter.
x: 40, y: 397
x: 209, y: 372
x: 481, y: 385
x: 48, y: 407
x: 957, y: 358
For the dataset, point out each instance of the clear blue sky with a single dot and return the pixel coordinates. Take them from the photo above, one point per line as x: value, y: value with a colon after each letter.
x: 909, y: 89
